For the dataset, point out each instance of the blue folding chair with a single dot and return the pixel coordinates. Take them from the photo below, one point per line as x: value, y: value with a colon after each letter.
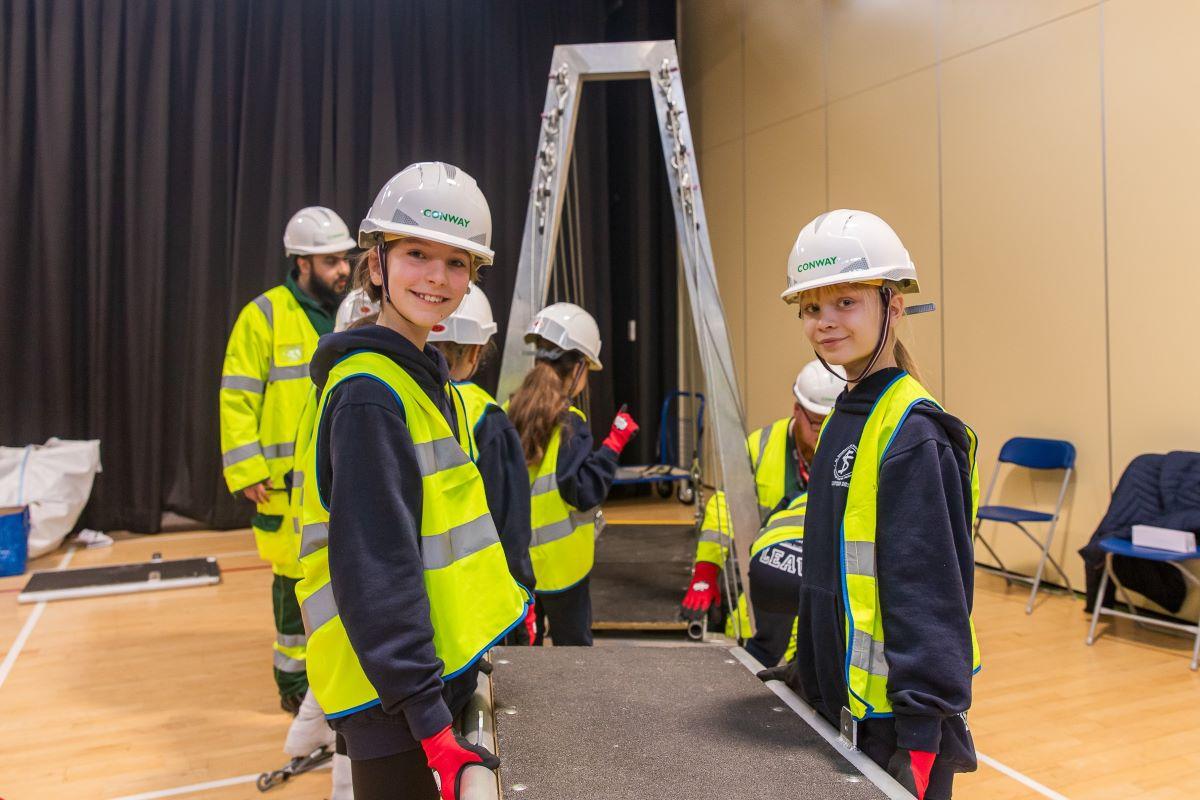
x: 1036, y: 454
x: 1114, y: 546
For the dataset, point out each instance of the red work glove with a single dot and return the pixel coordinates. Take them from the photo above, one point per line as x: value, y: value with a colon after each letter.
x: 448, y: 755
x: 911, y: 770
x: 704, y: 590
x: 623, y: 429
x: 531, y: 623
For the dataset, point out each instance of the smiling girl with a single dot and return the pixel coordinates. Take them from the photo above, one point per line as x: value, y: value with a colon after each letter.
x: 886, y: 645
x: 405, y: 581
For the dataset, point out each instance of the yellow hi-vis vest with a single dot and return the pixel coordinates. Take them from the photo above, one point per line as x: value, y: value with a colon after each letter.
x: 785, y: 525
x: 470, y: 404
x: 768, y: 453
x: 473, y: 601
x: 264, y: 384
x: 866, y: 662
x: 563, y: 545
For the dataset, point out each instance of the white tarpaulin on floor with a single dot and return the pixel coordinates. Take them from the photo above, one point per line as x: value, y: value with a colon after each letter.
x: 55, y: 480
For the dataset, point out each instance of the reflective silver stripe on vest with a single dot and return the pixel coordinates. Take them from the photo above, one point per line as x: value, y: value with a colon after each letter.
x: 285, y: 664
x: 716, y: 537
x: 242, y: 383
x: 763, y: 437
x: 279, y: 450
x: 544, y: 485
x: 318, y: 608
x: 867, y: 655
x: 239, y: 454
x: 442, y: 550
x: 264, y: 303
x: 860, y: 558
x: 562, y: 529
x: 314, y: 536
x: 287, y: 373
x: 298, y: 481
x: 290, y: 639
x: 440, y: 454
x: 780, y: 521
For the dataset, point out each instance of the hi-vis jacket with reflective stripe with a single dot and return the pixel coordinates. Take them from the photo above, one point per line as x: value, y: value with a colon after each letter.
x: 866, y: 663
x: 563, y: 546
x: 264, y: 383
x: 470, y: 403
x: 473, y: 600
x: 768, y: 454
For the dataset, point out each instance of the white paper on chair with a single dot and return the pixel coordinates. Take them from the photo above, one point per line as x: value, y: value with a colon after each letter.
x: 1164, y: 539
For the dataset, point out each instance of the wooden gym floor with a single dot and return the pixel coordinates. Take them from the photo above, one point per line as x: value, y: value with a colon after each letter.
x: 169, y: 694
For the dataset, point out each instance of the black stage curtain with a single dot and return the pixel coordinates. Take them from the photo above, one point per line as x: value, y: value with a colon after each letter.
x: 151, y: 152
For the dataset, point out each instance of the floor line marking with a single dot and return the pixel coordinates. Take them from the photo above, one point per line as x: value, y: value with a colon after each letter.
x: 1029, y: 782
x: 31, y: 622
x: 200, y: 787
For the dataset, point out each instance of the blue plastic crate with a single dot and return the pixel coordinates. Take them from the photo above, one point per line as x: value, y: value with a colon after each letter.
x: 14, y: 540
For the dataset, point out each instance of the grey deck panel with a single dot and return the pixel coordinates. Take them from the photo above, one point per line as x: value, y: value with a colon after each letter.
x: 641, y: 574
x: 633, y: 723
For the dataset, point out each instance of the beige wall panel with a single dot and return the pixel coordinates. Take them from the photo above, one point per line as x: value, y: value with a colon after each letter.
x: 1153, y: 205
x: 785, y: 188
x: 721, y: 174
x: 883, y: 157
x: 967, y: 24
x: 1153, y: 172
x: 872, y: 41
x: 1023, y: 261
x: 712, y: 69
x: 784, y: 55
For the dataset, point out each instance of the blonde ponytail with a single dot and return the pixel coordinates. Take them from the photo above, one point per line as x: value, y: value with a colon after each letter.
x: 905, y: 360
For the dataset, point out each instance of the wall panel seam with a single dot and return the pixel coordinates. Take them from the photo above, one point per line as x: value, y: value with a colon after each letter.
x: 1023, y: 31
x: 1104, y: 228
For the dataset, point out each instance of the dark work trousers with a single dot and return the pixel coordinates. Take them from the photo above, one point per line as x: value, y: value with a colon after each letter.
x: 771, y: 634
x: 404, y: 776
x: 570, y: 616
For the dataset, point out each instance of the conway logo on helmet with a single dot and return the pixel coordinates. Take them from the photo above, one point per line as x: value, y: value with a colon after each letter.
x: 433, y: 213
x: 820, y: 262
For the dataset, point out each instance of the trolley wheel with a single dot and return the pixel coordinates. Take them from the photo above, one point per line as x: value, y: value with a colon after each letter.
x: 663, y: 489
x: 686, y: 493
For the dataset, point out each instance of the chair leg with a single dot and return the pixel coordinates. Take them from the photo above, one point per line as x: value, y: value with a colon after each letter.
x: 1037, y: 578
x: 1196, y: 649
x: 1091, y: 637
x: 995, y: 556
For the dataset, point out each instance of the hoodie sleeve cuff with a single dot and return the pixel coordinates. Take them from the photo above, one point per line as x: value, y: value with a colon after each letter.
x: 427, y: 715
x: 919, y: 733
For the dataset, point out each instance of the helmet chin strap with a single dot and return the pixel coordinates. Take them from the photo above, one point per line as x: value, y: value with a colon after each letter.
x: 381, y: 254
x: 885, y: 296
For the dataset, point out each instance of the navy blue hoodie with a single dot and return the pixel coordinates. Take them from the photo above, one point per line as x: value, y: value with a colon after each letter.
x: 584, y: 475
x: 501, y: 462
x: 924, y: 563
x: 371, y: 483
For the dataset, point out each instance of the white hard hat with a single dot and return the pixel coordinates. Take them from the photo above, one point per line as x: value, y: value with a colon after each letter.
x: 569, y: 327
x: 434, y: 201
x: 354, y: 307
x: 315, y: 231
x: 847, y: 246
x: 816, y: 388
x: 471, y: 322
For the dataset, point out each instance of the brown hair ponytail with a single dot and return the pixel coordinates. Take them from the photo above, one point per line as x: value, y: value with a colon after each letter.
x: 541, y: 403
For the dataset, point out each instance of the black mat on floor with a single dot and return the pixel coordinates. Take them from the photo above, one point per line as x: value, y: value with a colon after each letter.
x: 669, y: 723
x: 640, y: 575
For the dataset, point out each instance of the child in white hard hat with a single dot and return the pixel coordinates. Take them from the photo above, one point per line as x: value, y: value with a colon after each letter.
x: 405, y: 581
x: 885, y: 643
x: 489, y: 437
x: 568, y: 479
